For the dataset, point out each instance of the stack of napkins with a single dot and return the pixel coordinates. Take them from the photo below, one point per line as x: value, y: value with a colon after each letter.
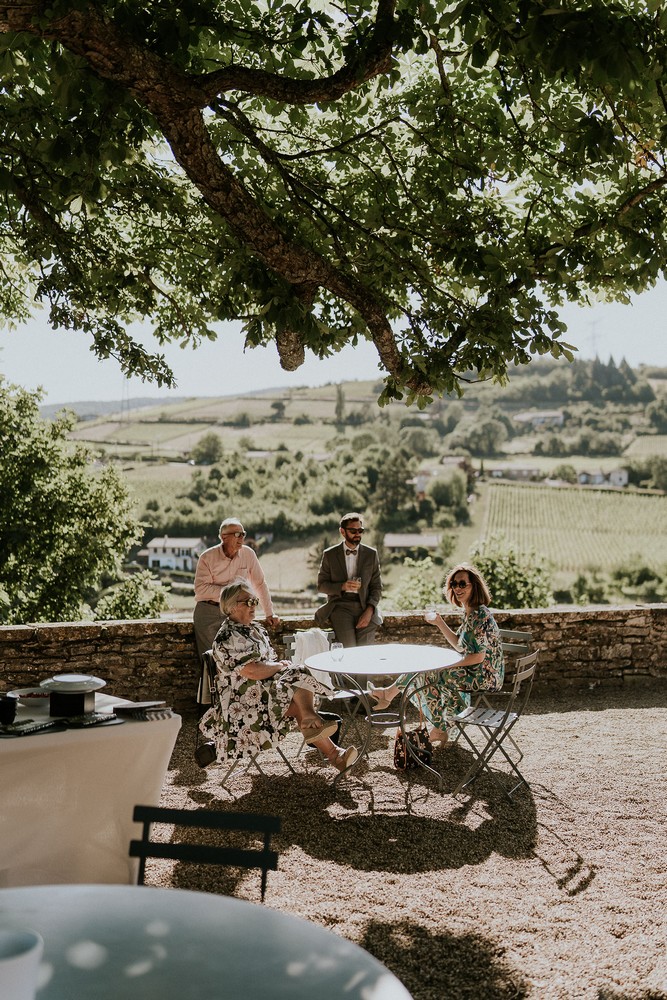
x: 147, y: 711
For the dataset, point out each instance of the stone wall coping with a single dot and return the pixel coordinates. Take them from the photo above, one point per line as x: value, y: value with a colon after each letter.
x: 156, y: 658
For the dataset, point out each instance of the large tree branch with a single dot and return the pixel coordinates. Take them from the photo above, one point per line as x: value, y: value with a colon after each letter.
x: 116, y: 57
x: 175, y: 100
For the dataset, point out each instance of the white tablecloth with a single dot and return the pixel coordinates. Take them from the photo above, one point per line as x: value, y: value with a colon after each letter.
x: 66, y: 798
x: 139, y: 943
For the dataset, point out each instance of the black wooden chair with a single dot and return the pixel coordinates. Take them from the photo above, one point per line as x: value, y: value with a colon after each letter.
x: 206, y: 819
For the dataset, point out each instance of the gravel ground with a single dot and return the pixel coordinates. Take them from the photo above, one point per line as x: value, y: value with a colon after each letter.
x: 559, y: 894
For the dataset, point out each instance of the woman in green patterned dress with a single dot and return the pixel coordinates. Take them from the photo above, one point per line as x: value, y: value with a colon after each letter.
x: 482, y: 668
x: 258, y: 695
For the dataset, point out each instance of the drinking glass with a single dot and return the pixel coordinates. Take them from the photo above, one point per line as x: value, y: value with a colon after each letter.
x: 337, y: 651
x: 430, y: 613
x: 20, y: 954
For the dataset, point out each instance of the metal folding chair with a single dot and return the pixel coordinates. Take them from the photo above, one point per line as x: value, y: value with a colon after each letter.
x: 493, y: 728
x: 205, y: 819
x: 207, y: 685
x: 514, y: 643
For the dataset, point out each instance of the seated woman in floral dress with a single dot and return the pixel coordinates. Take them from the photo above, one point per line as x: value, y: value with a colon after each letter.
x: 447, y: 692
x: 257, y: 694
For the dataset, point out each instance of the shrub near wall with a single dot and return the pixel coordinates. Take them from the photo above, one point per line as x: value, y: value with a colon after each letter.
x: 157, y: 659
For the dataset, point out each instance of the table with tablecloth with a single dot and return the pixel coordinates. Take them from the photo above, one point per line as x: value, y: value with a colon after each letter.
x: 66, y: 798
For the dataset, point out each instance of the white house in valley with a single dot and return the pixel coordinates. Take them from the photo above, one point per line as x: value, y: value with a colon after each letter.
x: 173, y: 553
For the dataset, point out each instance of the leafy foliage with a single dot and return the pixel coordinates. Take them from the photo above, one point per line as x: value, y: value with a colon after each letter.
x: 140, y: 595
x: 208, y: 449
x: 420, y: 584
x: 435, y: 176
x: 516, y: 579
x: 61, y: 525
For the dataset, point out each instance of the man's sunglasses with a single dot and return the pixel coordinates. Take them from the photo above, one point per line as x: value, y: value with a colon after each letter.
x: 233, y: 534
x: 355, y: 531
x: 460, y: 584
x: 252, y: 602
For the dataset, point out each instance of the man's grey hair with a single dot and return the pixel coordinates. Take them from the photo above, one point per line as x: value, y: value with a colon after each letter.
x: 231, y: 591
x: 230, y: 520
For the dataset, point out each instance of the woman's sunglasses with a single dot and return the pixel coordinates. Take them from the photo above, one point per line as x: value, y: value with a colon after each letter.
x: 252, y: 602
x: 459, y: 584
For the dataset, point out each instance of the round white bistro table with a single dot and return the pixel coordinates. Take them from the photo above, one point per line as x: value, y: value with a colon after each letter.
x: 104, y: 942
x: 391, y: 659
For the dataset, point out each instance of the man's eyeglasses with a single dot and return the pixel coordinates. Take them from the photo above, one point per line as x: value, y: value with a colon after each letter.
x: 460, y: 584
x: 252, y: 602
x: 233, y: 534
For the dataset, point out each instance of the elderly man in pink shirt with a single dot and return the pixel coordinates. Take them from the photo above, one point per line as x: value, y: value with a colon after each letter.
x: 218, y: 566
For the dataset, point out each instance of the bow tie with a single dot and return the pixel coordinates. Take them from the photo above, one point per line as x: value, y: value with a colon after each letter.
x: 350, y: 552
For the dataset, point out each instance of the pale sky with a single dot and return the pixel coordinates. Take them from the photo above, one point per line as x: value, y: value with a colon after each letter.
x: 63, y: 365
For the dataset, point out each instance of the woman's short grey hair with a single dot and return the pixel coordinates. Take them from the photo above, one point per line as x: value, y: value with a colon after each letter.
x: 231, y: 591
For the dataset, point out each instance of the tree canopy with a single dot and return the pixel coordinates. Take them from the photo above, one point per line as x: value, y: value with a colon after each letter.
x: 435, y: 176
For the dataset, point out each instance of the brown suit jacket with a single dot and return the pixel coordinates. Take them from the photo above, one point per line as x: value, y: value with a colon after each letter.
x: 333, y: 574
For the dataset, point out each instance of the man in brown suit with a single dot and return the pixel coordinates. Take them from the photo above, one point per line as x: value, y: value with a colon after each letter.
x: 350, y: 577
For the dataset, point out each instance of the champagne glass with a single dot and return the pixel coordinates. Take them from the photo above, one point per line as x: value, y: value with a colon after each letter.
x: 337, y: 651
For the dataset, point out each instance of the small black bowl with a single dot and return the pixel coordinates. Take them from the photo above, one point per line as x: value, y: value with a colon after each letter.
x: 8, y: 706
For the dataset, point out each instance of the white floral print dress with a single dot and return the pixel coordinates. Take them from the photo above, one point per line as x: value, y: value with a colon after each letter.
x: 249, y: 715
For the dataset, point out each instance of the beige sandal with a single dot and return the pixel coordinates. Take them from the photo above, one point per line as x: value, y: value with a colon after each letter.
x: 345, y: 758
x: 317, y: 730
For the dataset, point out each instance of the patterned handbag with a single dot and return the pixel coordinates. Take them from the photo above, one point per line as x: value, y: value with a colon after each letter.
x: 421, y: 745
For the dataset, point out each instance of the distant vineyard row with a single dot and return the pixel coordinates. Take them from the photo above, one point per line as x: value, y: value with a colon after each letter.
x: 577, y: 529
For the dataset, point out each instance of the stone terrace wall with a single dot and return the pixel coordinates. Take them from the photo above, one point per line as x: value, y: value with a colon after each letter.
x: 157, y: 659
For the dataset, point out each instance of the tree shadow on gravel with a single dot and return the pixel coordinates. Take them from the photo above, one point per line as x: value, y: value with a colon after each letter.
x: 371, y: 822
x: 439, y: 966
x: 329, y: 827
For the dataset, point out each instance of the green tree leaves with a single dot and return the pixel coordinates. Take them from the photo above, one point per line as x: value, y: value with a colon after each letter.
x: 516, y: 579
x: 61, y: 525
x: 436, y: 177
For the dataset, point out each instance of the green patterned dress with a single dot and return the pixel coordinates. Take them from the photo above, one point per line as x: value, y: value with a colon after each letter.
x: 448, y: 692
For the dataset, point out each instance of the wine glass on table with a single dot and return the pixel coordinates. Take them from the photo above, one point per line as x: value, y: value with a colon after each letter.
x: 337, y: 651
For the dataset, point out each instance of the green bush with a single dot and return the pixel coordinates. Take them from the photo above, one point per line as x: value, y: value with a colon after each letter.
x: 137, y: 596
x: 420, y: 585
x: 516, y: 579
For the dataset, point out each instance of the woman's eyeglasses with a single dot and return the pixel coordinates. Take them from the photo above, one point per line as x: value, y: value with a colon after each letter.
x: 459, y: 584
x: 252, y: 602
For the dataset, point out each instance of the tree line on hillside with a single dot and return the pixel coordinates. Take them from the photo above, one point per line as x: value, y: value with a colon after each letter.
x: 600, y: 404
x: 293, y: 496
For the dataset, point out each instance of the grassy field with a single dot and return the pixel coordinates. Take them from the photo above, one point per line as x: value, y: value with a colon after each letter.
x: 170, y: 430
x: 648, y: 446
x: 577, y: 528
